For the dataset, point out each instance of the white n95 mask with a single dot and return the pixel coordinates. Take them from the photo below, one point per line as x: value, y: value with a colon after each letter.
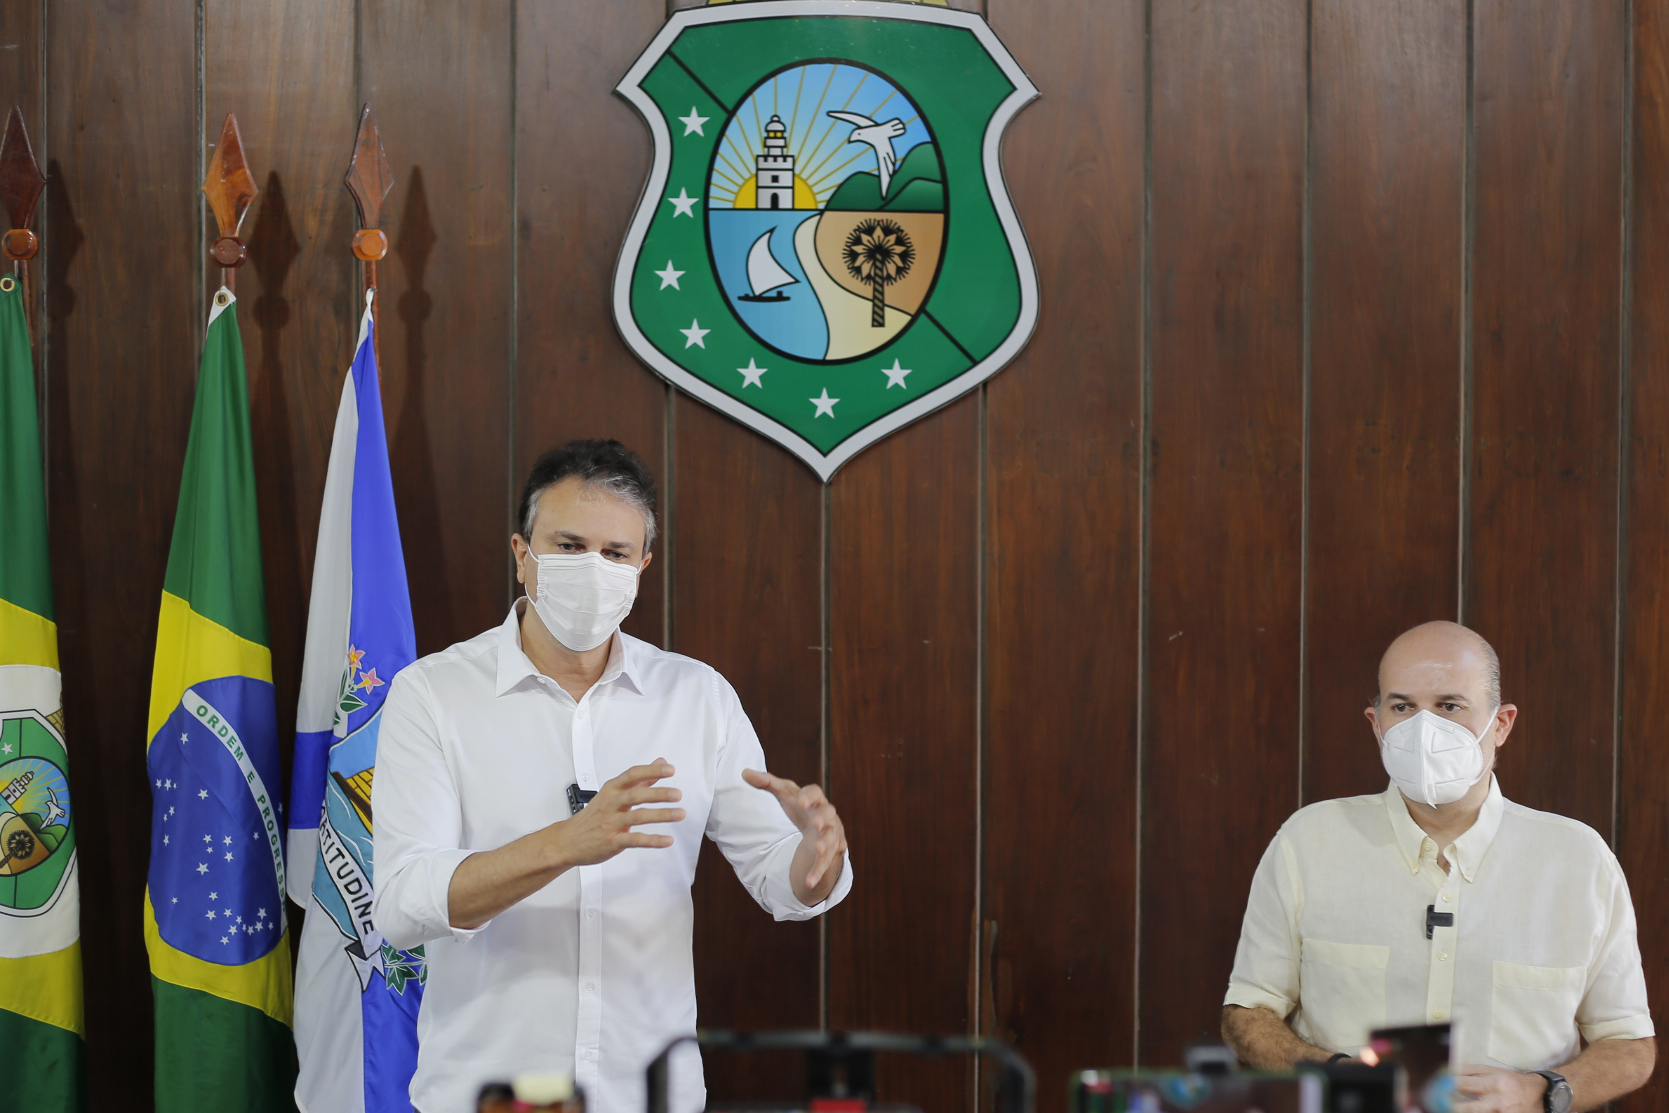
x: 583, y: 597
x: 1433, y: 759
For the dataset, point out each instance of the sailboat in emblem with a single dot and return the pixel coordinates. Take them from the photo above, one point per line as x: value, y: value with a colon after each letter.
x: 766, y: 276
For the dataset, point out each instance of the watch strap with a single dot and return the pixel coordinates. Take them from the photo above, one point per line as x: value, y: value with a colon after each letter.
x: 1553, y: 1080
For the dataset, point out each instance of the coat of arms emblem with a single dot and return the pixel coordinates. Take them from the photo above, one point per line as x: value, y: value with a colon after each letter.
x: 825, y: 249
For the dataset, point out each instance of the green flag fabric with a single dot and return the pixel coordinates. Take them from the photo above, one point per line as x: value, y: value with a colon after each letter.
x: 214, y: 905
x: 40, y: 908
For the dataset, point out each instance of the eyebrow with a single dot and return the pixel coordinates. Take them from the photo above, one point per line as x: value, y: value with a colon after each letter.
x: 570, y: 535
x: 1440, y: 699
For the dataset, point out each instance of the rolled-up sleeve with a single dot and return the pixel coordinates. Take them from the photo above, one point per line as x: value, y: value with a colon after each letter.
x: 1614, y: 1006
x: 419, y: 821
x: 750, y: 827
x: 1266, y: 963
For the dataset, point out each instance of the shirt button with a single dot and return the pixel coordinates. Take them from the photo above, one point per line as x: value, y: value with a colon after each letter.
x: 591, y: 913
x: 1447, y: 897
x: 1442, y: 956
x: 1438, y: 1014
x: 591, y: 987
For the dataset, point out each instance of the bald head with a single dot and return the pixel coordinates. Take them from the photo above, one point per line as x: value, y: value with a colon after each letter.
x: 1441, y: 659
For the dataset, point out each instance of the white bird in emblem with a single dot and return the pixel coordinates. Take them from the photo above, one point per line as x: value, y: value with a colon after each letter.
x: 54, y: 811
x: 879, y: 136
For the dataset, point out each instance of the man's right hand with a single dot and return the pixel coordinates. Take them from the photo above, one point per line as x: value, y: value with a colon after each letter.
x: 489, y: 881
x: 603, y: 828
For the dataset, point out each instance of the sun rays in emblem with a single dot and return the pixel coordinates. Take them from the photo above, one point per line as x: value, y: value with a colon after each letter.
x: 788, y: 117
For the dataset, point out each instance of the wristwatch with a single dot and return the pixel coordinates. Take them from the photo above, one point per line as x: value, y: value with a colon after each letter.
x: 1558, y: 1096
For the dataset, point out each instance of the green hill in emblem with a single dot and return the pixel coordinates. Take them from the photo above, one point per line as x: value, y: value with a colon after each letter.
x: 915, y: 187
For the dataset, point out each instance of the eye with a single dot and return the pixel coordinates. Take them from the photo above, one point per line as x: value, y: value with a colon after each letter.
x: 1450, y: 707
x: 567, y: 546
x: 1399, y: 708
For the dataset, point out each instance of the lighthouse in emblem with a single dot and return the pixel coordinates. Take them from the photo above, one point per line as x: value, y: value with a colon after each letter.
x: 774, y: 169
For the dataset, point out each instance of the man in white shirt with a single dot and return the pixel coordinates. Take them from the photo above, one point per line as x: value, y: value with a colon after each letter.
x: 1441, y: 901
x: 558, y: 931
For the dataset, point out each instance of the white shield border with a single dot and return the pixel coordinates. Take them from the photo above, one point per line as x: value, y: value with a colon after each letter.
x: 630, y: 87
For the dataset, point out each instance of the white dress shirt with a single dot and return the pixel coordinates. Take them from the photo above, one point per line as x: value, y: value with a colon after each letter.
x: 593, y: 973
x: 1542, y: 949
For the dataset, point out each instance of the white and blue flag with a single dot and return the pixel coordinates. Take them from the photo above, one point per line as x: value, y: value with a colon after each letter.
x: 356, y: 996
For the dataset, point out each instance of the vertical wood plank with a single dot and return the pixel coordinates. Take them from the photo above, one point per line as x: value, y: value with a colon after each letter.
x: 1226, y: 488
x: 1388, y: 137
x: 1543, y: 561
x: 903, y: 621
x: 582, y: 159
x: 1062, y: 552
x: 294, y: 99
x: 747, y: 596
x: 125, y: 314
x: 22, y: 82
x: 1643, y: 804
x: 438, y: 75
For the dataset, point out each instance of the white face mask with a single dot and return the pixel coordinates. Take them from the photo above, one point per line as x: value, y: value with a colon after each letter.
x: 1433, y: 759
x: 583, y: 597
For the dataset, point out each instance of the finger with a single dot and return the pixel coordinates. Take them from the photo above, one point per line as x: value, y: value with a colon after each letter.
x: 822, y: 814
x: 811, y: 797
x: 825, y: 859
x: 638, y: 816
x: 641, y: 774
x: 632, y: 797
x: 637, y: 838
x: 783, y: 788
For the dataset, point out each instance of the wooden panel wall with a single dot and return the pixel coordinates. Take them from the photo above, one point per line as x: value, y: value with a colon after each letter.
x: 1352, y: 316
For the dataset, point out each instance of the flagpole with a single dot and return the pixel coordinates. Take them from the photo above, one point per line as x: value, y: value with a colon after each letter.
x: 21, y: 182
x: 369, y: 179
x: 230, y: 187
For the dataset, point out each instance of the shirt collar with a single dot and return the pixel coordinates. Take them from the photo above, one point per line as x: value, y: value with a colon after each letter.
x: 1468, y: 850
x: 514, y: 665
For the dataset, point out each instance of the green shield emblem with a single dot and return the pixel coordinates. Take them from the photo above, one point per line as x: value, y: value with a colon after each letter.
x: 37, y: 833
x: 825, y: 249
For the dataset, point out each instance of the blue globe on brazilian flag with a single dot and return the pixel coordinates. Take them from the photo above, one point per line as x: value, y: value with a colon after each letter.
x: 825, y: 249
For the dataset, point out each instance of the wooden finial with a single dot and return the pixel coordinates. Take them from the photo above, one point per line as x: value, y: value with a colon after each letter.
x: 369, y: 179
x: 21, y: 182
x: 230, y: 187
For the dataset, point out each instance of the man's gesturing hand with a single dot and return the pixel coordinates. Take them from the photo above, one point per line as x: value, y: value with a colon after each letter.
x: 489, y: 881
x: 817, y: 862
x: 1492, y: 1090
x: 603, y: 828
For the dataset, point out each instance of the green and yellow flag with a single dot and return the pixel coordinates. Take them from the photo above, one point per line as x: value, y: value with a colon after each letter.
x: 40, y: 904
x: 214, y: 905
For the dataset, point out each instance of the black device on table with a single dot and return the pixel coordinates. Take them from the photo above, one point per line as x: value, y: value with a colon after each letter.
x: 840, y: 1069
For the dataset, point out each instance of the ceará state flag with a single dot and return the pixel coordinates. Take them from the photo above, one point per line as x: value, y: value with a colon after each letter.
x: 356, y: 996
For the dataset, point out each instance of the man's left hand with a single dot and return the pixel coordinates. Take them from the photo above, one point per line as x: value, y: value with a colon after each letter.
x: 817, y: 862
x: 1493, y: 1090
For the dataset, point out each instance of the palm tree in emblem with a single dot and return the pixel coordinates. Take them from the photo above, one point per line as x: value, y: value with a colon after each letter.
x: 878, y: 252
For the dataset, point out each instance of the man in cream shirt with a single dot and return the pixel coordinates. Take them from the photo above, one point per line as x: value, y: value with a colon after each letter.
x: 1439, y: 900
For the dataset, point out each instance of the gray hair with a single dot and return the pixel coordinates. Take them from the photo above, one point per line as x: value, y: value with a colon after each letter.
x: 606, y: 466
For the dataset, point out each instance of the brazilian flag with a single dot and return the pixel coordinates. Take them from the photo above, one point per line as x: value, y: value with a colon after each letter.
x: 214, y: 904
x: 40, y: 913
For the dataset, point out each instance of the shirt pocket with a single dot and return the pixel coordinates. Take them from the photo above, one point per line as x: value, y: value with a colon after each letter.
x: 1342, y: 992
x: 1532, y: 1013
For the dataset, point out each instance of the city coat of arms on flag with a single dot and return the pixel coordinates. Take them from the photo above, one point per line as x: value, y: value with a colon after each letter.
x: 825, y: 249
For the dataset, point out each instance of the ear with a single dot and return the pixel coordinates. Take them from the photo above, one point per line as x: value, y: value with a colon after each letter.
x: 519, y: 549
x: 1372, y: 713
x: 1505, y: 716
x: 647, y: 557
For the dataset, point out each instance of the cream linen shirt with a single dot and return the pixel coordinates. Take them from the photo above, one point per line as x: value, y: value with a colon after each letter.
x: 593, y: 973
x: 1542, y: 950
